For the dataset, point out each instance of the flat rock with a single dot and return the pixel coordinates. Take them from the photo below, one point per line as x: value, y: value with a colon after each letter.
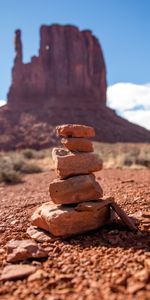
x: 75, y: 130
x: 123, y: 216
x: 67, y: 220
x: 70, y: 164
x: 23, y: 249
x: 75, y: 189
x: 142, y: 275
x: 14, y: 272
x: 77, y: 144
x: 38, y: 275
x: 146, y: 214
x: 147, y: 263
x: 134, y: 287
x: 39, y: 235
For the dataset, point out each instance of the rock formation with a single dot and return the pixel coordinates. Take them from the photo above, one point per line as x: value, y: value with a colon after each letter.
x: 65, y: 83
x: 70, y: 64
x: 75, y: 204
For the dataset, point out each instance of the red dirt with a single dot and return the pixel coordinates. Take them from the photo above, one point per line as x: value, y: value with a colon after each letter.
x: 104, y: 264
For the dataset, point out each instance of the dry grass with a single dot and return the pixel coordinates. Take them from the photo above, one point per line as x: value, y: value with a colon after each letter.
x: 124, y: 155
x: 14, y: 164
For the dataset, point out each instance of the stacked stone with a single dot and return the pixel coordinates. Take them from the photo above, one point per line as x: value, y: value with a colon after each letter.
x: 75, y: 166
x: 75, y: 205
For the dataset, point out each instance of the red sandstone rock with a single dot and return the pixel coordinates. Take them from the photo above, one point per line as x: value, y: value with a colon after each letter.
x: 23, y: 249
x: 77, y: 144
x: 66, y: 220
x: 142, y: 275
x: 67, y: 75
x: 18, y: 47
x: 147, y: 263
x: 75, y: 130
x: 123, y: 216
x: 38, y: 275
x: 70, y: 62
x: 70, y: 164
x: 14, y: 272
x: 146, y: 214
x: 134, y: 287
x: 75, y: 189
x: 39, y: 235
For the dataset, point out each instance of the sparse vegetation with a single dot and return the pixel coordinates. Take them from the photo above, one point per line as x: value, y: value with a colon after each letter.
x: 29, y: 153
x: 124, y: 155
x: 10, y: 176
x: 7, y: 172
x: 29, y: 168
x: 13, y: 165
x: 33, y: 154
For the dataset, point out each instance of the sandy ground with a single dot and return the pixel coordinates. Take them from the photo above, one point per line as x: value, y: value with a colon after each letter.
x: 105, y: 264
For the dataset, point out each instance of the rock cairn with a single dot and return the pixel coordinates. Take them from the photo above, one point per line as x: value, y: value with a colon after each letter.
x: 75, y: 204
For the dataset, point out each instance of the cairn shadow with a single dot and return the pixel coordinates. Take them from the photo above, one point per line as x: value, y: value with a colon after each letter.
x: 112, y: 236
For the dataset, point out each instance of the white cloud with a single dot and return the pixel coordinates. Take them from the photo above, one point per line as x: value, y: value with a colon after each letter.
x: 2, y: 102
x: 131, y: 101
x: 140, y: 117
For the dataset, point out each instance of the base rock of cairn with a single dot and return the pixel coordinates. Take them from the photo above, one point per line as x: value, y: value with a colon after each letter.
x: 75, y: 204
x: 66, y: 220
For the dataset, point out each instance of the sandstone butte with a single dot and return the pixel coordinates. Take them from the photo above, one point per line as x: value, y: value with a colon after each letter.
x: 65, y: 83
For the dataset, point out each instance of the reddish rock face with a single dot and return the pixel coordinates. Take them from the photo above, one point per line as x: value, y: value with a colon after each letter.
x: 70, y: 63
x: 65, y: 83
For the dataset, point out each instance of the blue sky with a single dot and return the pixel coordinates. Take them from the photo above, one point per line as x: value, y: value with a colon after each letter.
x: 122, y: 26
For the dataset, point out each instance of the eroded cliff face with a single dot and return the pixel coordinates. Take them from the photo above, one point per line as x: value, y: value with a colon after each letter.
x: 70, y: 64
x: 65, y: 83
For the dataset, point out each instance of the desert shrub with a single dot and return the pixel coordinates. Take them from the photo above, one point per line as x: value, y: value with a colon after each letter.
x: 5, y: 164
x: 129, y: 158
x: 30, y: 168
x: 124, y: 154
x: 7, y: 173
x: 13, y: 165
x: 18, y: 163
x: 29, y: 153
x: 26, y: 167
x: 144, y: 158
x: 33, y: 154
x: 10, y: 176
x: 128, y: 161
x: 143, y: 162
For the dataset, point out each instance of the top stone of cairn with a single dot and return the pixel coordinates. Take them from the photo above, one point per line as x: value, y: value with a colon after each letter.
x: 75, y: 130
